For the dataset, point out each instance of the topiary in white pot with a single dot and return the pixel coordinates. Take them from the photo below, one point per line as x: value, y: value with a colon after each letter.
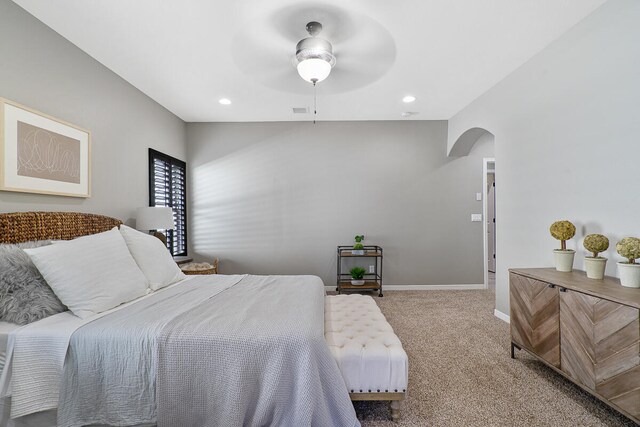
x: 595, y: 265
x: 629, y: 247
x: 563, y: 231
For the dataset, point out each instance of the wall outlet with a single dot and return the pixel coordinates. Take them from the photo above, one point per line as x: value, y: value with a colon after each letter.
x: 372, y: 269
x: 476, y: 217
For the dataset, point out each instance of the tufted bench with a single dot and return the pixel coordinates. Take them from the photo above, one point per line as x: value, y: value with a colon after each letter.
x: 370, y: 356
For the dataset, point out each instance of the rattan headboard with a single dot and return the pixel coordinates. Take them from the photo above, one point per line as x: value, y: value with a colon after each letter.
x: 18, y: 227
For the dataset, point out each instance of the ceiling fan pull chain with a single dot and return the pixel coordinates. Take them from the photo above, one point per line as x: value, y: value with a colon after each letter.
x: 315, y: 103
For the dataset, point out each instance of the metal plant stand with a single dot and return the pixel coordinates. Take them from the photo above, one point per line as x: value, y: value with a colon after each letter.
x: 373, y: 279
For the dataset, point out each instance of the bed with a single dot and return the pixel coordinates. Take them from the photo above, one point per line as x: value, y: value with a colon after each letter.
x: 206, y: 350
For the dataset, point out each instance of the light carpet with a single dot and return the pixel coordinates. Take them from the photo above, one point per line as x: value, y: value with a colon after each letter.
x: 460, y: 372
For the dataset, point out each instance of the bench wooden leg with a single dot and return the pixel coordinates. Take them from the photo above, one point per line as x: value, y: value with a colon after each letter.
x: 395, y: 410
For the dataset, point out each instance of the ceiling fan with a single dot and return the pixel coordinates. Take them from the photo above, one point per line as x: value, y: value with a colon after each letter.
x: 263, y: 48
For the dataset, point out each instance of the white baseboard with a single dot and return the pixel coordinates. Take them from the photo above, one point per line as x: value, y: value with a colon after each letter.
x: 500, y: 315
x: 467, y: 287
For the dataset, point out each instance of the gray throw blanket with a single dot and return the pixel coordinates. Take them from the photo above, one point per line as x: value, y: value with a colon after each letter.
x: 212, y: 351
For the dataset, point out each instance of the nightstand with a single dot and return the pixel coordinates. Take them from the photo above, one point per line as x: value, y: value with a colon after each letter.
x: 182, y: 259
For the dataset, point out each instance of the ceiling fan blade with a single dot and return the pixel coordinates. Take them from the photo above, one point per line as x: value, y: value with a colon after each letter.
x: 264, y: 50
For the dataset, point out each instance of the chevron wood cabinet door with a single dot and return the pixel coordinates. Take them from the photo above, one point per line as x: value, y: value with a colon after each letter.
x: 600, y: 347
x: 597, y: 335
x: 534, y: 317
x: 578, y: 354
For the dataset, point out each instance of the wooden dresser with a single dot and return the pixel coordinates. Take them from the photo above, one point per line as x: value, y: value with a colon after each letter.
x: 586, y: 330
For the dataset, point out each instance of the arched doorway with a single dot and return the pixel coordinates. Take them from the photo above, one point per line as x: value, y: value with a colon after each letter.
x: 462, y: 147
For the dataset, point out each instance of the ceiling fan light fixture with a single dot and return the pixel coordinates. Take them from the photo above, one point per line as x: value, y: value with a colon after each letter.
x: 314, y: 70
x: 314, y: 55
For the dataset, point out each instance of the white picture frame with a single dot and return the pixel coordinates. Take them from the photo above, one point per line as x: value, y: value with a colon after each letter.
x: 42, y: 154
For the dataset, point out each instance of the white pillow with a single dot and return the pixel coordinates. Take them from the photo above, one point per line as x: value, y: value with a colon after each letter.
x: 152, y: 257
x: 91, y: 274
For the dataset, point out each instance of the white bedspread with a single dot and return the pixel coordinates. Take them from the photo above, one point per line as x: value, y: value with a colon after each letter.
x: 110, y: 371
x: 249, y: 352
x: 255, y: 356
x: 35, y: 357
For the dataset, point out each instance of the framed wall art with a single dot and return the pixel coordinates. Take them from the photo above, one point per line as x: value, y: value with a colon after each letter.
x: 42, y: 154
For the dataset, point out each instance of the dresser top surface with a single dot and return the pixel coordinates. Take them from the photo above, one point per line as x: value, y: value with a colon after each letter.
x: 609, y: 288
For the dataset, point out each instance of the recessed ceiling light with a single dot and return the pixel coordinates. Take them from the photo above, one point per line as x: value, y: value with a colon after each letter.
x: 408, y: 98
x: 224, y: 101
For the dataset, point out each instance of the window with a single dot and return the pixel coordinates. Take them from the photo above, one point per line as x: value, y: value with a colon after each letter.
x: 168, y: 187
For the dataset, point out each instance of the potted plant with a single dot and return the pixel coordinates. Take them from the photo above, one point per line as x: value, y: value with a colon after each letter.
x: 629, y: 247
x: 595, y: 265
x: 563, y: 231
x: 357, y: 276
x: 358, y: 248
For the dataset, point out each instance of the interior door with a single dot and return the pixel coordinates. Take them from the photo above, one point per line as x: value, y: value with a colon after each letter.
x: 491, y: 223
x: 535, y: 317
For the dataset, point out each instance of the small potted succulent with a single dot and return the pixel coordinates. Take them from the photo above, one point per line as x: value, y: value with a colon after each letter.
x: 595, y: 265
x: 563, y: 231
x: 357, y: 276
x: 629, y: 247
x: 358, y: 248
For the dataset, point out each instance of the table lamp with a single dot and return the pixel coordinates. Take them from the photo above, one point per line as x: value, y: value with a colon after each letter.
x: 155, y: 218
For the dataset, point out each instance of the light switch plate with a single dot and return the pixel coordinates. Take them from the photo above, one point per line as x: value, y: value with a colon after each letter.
x: 476, y: 217
x: 478, y: 196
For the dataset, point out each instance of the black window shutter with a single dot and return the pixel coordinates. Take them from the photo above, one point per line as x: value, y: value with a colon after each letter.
x: 168, y: 187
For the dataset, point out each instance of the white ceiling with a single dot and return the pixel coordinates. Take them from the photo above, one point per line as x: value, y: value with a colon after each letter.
x: 187, y: 55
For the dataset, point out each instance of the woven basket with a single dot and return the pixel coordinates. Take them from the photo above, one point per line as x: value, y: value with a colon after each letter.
x: 189, y: 270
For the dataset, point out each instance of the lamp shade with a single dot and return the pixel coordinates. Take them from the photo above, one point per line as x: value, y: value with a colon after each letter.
x: 314, y: 69
x: 155, y: 218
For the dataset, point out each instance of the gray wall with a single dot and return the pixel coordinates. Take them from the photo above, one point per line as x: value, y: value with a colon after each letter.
x: 567, y: 145
x: 276, y: 198
x: 42, y: 70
